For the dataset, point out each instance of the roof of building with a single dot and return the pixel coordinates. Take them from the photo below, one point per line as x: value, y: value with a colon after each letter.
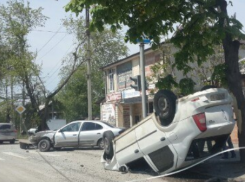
x: 124, y: 59
x: 128, y: 57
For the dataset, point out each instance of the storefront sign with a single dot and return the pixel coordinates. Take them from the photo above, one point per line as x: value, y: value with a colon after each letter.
x: 130, y: 93
x: 133, y: 100
x: 108, y: 113
x: 113, y: 97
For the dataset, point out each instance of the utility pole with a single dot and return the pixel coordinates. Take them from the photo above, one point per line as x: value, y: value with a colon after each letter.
x: 88, y: 66
x: 142, y: 73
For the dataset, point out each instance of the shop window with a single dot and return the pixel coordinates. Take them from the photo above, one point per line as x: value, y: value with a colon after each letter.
x: 111, y: 79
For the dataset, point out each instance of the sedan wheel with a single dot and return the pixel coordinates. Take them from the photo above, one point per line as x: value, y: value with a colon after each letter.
x: 44, y: 145
x: 101, y: 144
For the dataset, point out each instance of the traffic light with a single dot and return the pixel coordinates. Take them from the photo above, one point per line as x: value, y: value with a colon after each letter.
x: 137, y: 82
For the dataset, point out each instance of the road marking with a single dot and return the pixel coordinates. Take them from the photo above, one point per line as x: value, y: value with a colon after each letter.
x: 15, y: 155
x: 44, y: 153
x: 48, y: 154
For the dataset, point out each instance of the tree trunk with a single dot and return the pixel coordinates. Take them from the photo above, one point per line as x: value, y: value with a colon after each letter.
x: 234, y: 78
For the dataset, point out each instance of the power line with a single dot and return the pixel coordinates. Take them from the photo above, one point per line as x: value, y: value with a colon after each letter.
x: 53, y: 47
x: 58, y: 62
x: 49, y: 39
x: 49, y: 31
x: 51, y: 75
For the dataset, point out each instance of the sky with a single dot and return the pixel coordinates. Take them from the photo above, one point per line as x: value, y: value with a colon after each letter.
x: 52, y: 47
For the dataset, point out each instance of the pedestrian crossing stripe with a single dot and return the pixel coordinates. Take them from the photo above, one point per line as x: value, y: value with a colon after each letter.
x: 15, y: 155
x: 43, y: 153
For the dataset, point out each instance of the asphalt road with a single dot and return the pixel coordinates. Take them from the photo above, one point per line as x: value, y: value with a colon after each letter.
x: 71, y: 165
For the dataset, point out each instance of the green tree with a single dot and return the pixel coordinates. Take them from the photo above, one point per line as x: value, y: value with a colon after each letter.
x: 202, y: 24
x: 164, y: 75
x: 106, y: 47
x: 17, y: 19
x: 74, y: 95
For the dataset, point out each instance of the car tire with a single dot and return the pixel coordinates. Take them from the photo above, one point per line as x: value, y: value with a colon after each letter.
x: 1, y: 142
x: 208, y: 87
x: 44, y: 145
x: 108, y: 136
x: 12, y: 141
x: 165, y: 106
x: 100, y: 143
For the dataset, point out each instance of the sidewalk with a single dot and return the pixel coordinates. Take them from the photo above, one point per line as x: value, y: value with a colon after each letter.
x: 230, y: 170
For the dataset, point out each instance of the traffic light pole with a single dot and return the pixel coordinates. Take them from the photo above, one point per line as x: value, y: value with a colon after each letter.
x: 143, y: 86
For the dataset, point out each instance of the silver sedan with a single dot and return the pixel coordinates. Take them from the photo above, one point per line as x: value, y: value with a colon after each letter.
x: 75, y: 134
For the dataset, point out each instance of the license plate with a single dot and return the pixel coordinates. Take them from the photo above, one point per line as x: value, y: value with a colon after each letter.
x: 217, y: 97
x: 5, y: 133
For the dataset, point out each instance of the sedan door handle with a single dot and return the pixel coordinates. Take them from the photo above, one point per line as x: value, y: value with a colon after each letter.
x: 136, y: 151
x: 74, y: 134
x: 98, y: 133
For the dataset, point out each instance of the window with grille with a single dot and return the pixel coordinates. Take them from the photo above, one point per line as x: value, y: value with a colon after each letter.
x: 111, y: 79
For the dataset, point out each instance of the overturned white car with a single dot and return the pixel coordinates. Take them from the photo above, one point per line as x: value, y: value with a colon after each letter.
x: 180, y: 132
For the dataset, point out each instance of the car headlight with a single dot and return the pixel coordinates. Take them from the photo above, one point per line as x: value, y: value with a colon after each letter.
x: 33, y: 138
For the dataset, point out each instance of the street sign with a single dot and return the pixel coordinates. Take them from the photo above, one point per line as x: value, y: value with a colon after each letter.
x: 145, y: 41
x: 20, y: 109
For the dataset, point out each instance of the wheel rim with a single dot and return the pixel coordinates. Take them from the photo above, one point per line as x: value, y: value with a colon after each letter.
x: 101, y: 144
x: 43, y: 145
x: 163, y: 104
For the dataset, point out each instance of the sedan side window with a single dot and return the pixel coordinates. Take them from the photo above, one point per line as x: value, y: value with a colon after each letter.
x: 71, y: 127
x: 91, y: 126
x: 98, y: 127
x: 87, y: 126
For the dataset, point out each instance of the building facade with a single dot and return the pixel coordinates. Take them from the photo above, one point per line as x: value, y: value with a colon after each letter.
x: 122, y: 105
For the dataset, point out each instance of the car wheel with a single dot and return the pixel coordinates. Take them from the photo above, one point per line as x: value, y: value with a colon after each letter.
x: 100, y: 143
x: 165, y: 106
x: 1, y: 142
x: 208, y: 87
x: 12, y: 141
x: 44, y: 145
x: 108, y: 136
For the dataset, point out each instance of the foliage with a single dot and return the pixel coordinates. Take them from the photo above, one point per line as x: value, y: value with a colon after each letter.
x: 106, y: 47
x: 219, y: 75
x: 18, y: 70
x: 164, y: 75
x: 166, y: 83
x: 198, y: 21
x: 197, y: 33
x: 186, y: 86
x: 74, y: 96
